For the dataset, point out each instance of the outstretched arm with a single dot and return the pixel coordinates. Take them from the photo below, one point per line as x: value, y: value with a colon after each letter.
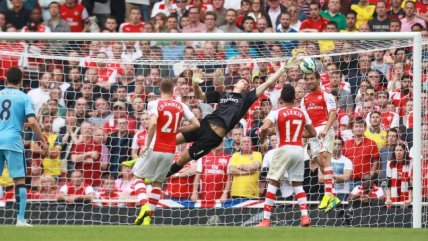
x: 290, y: 63
x: 197, y: 79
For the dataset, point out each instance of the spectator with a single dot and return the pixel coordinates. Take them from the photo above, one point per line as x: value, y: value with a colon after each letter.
x: 76, y: 191
x: 72, y: 93
x: 273, y: 10
x: 363, y: 153
x: 315, y: 23
x: 35, y: 23
x: 55, y: 93
x: 219, y: 12
x: 248, y: 25
x: 395, y: 25
x: 333, y: 14
x: 100, y: 89
x: 47, y: 188
x: 244, y: 168
x: 40, y: 95
x: 165, y: 7
x: 110, y: 25
x: 396, y: 11
x: 284, y: 27
x: 342, y: 170
x: 345, y: 100
x: 119, y: 111
x: 138, y: 106
x: 410, y: 17
x: 107, y: 193
x: 399, y: 175
x: 180, y: 185
x: 51, y: 108
x: 160, y: 23
x: 230, y: 26
x: 244, y: 9
x: 387, y: 151
x: 355, y: 76
x: 139, y: 138
x: 17, y: 16
x: 86, y: 154
x: 365, y: 194
x: 119, y: 144
x: 364, y: 12
x: 125, y: 182
x: 75, y: 14
x: 375, y: 132
x: 390, y: 119
x: 171, y: 23
x: 351, y: 20
x: 233, y: 144
x: 378, y: 63
x: 195, y: 25
x: 47, y: 163
x: 101, y: 112
x: 399, y: 97
x: 82, y: 110
x: 295, y: 22
x: 211, y: 177
x: 69, y: 136
x: 380, y: 22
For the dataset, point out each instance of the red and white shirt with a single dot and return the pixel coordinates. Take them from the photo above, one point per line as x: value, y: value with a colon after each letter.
x: 318, y: 104
x: 131, y: 28
x: 139, y: 139
x: 399, y: 100
x: 169, y: 114
x: 70, y: 189
x: 342, y: 118
x: 103, y: 194
x: 375, y: 192
x: 343, y: 85
x: 40, y: 29
x: 75, y: 16
x: 213, y: 170
x: 290, y: 124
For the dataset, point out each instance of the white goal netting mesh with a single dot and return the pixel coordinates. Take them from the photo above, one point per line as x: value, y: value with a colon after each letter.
x: 83, y: 90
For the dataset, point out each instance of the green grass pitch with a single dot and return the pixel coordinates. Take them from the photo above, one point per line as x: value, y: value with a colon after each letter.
x: 199, y: 233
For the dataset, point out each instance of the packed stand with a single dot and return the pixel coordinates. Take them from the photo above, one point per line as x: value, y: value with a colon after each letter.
x: 91, y: 96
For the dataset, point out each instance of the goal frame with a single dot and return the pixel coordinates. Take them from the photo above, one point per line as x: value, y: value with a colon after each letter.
x: 417, y: 70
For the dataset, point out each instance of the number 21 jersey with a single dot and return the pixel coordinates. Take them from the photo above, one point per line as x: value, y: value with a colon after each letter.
x: 170, y: 114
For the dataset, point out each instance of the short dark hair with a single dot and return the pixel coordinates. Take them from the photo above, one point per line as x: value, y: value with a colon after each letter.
x: 375, y: 112
x: 167, y: 85
x: 210, y: 13
x: 54, y: 2
x: 339, y: 138
x: 288, y: 93
x: 352, y: 12
x: 14, y: 75
x: 359, y: 120
x: 333, y: 23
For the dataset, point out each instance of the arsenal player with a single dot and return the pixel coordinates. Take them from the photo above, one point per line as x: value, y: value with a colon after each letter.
x: 321, y: 108
x: 289, y: 156
x: 166, y: 115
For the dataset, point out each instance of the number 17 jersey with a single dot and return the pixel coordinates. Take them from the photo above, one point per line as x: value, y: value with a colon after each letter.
x: 170, y: 114
x: 15, y: 108
x: 290, y: 122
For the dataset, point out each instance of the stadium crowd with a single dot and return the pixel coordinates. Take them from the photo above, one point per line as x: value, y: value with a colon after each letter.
x: 91, y: 96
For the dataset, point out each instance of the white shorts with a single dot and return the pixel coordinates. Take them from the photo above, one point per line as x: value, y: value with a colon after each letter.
x: 288, y: 159
x: 155, y: 165
x: 322, y: 145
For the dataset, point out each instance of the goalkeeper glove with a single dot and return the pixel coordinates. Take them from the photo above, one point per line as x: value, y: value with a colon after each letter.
x: 290, y: 63
x: 197, y: 78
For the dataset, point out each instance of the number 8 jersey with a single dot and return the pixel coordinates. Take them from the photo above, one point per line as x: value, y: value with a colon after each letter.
x: 170, y: 114
x: 291, y: 122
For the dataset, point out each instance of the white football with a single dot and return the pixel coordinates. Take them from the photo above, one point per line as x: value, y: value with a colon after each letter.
x: 307, y: 66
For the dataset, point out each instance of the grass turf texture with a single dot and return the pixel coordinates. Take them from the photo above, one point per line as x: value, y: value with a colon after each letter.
x: 199, y: 233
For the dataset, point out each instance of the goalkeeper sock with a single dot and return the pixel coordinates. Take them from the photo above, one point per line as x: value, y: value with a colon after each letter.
x: 21, y: 200
x: 174, y: 169
x: 140, y: 191
x: 154, y: 197
x: 328, y: 181
x: 300, y: 196
x: 269, y: 201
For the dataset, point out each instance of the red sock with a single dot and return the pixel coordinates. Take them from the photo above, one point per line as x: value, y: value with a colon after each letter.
x: 154, y: 197
x: 140, y: 191
x: 269, y: 201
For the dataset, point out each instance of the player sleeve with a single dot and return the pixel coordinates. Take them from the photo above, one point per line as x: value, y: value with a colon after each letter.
x: 29, y: 108
x: 152, y: 107
x: 302, y: 105
x: 330, y: 102
x: 199, y: 167
x: 273, y: 116
x: 212, y: 97
x: 308, y: 120
x: 188, y: 114
x: 134, y: 142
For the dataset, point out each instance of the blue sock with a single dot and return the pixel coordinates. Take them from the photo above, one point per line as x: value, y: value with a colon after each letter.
x: 21, y: 200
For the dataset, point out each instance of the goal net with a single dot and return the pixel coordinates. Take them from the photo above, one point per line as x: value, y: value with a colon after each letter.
x: 91, y: 93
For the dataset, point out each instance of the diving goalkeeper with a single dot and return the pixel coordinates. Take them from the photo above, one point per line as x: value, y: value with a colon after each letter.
x: 232, y: 106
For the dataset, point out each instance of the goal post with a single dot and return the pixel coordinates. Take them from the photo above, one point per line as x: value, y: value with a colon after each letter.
x: 416, y: 43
